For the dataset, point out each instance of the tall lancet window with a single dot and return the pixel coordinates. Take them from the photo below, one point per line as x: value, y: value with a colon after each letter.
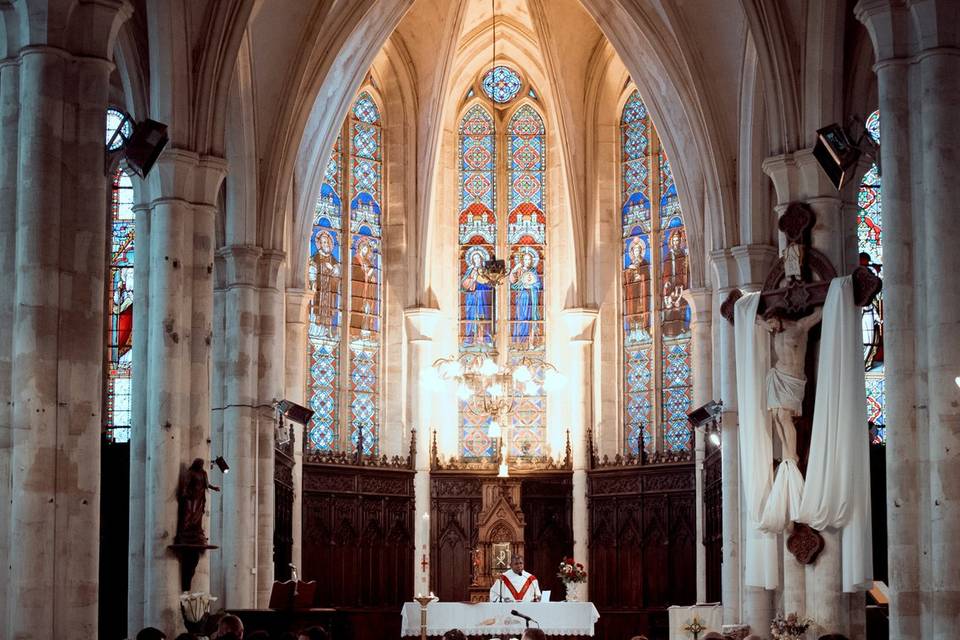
x: 654, y: 277
x: 119, y: 339
x: 869, y: 225
x: 345, y: 275
x: 502, y: 142
x: 526, y: 237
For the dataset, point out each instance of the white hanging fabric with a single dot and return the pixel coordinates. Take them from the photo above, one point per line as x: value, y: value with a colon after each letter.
x: 837, y: 491
x: 761, y: 560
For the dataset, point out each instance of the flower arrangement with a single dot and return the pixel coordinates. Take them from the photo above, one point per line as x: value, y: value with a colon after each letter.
x: 571, y: 571
x: 789, y: 627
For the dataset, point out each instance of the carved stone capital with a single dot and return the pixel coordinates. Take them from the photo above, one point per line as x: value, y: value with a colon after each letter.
x: 579, y: 323
x: 420, y: 322
x: 297, y: 301
x: 241, y: 261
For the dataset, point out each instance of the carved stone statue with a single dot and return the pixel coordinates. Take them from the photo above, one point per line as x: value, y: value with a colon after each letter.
x: 786, y: 380
x: 192, y: 498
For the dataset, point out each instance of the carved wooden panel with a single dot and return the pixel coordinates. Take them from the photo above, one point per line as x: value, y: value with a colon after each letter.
x: 455, y: 504
x: 358, y: 534
x: 642, y: 545
x: 713, y: 521
x: 547, y: 504
x: 283, y: 515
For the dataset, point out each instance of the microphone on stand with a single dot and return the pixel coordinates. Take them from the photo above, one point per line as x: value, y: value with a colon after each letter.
x: 514, y: 612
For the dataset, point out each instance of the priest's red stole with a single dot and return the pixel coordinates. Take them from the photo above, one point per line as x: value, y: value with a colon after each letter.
x: 517, y: 595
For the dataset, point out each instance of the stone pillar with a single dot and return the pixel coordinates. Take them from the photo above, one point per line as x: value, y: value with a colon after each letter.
x: 700, y: 301
x: 420, y: 325
x: 9, y: 112
x: 295, y: 385
x: 580, y: 323
x: 889, y: 26
x: 240, y: 435
x: 55, y: 191
x: 742, y: 267
x: 176, y: 416
x: 936, y: 22
x: 217, y: 403
x: 270, y: 383
x: 725, y: 271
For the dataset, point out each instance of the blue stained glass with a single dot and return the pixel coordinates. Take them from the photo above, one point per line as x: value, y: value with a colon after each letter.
x: 869, y: 237
x: 355, y: 255
x: 502, y: 84
x: 655, y: 277
x: 365, y: 109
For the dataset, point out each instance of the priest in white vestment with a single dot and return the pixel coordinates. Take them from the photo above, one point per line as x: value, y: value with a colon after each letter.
x: 515, y: 585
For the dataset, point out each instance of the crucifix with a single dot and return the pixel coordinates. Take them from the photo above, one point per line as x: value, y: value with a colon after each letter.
x: 790, y: 305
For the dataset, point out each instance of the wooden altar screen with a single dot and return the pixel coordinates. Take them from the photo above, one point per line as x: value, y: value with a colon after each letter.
x: 642, y: 543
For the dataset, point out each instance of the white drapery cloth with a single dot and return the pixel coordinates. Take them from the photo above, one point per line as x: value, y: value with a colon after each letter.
x: 761, y: 562
x: 837, y: 492
x: 837, y: 489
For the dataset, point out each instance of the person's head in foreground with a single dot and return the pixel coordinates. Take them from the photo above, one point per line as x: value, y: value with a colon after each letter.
x: 533, y: 634
x: 639, y: 638
x: 454, y: 634
x: 314, y: 633
x: 230, y: 624
x: 151, y: 633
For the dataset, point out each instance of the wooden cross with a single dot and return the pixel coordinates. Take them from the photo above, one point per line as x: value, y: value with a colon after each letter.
x: 799, y: 280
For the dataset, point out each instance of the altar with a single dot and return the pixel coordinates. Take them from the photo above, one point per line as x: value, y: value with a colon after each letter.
x: 493, y: 619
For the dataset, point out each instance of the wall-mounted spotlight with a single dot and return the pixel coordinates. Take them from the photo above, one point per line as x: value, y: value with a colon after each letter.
x: 140, y: 142
x: 837, y: 153
x: 293, y: 411
x: 221, y: 464
x: 705, y: 419
x: 702, y: 415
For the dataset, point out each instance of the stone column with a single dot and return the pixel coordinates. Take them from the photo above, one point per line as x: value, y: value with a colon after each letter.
x: 700, y: 301
x: 270, y: 382
x: 295, y: 385
x: 889, y: 26
x: 9, y: 112
x: 177, y: 424
x: 57, y: 338
x: 935, y: 22
x: 240, y: 436
x: 579, y: 323
x: 420, y: 325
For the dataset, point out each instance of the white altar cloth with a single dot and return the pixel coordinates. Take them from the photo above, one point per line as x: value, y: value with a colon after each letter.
x: 493, y: 618
x: 710, y: 616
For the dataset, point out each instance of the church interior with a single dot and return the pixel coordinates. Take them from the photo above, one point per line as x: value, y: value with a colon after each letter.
x: 614, y: 318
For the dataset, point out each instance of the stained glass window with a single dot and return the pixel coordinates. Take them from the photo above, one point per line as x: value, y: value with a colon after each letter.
x: 526, y: 236
x: 869, y: 225
x: 655, y: 275
x: 354, y: 170
x: 119, y: 340
x: 517, y: 154
x: 477, y: 230
x: 502, y: 84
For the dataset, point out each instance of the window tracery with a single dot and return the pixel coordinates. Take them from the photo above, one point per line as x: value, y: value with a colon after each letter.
x: 345, y: 274
x: 657, y: 376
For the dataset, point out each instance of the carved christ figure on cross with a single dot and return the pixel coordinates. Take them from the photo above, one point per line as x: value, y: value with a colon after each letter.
x: 786, y: 380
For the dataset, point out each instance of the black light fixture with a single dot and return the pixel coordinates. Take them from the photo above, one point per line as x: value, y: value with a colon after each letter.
x: 221, y: 464
x: 144, y: 146
x: 705, y: 414
x: 293, y: 411
x: 836, y: 154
